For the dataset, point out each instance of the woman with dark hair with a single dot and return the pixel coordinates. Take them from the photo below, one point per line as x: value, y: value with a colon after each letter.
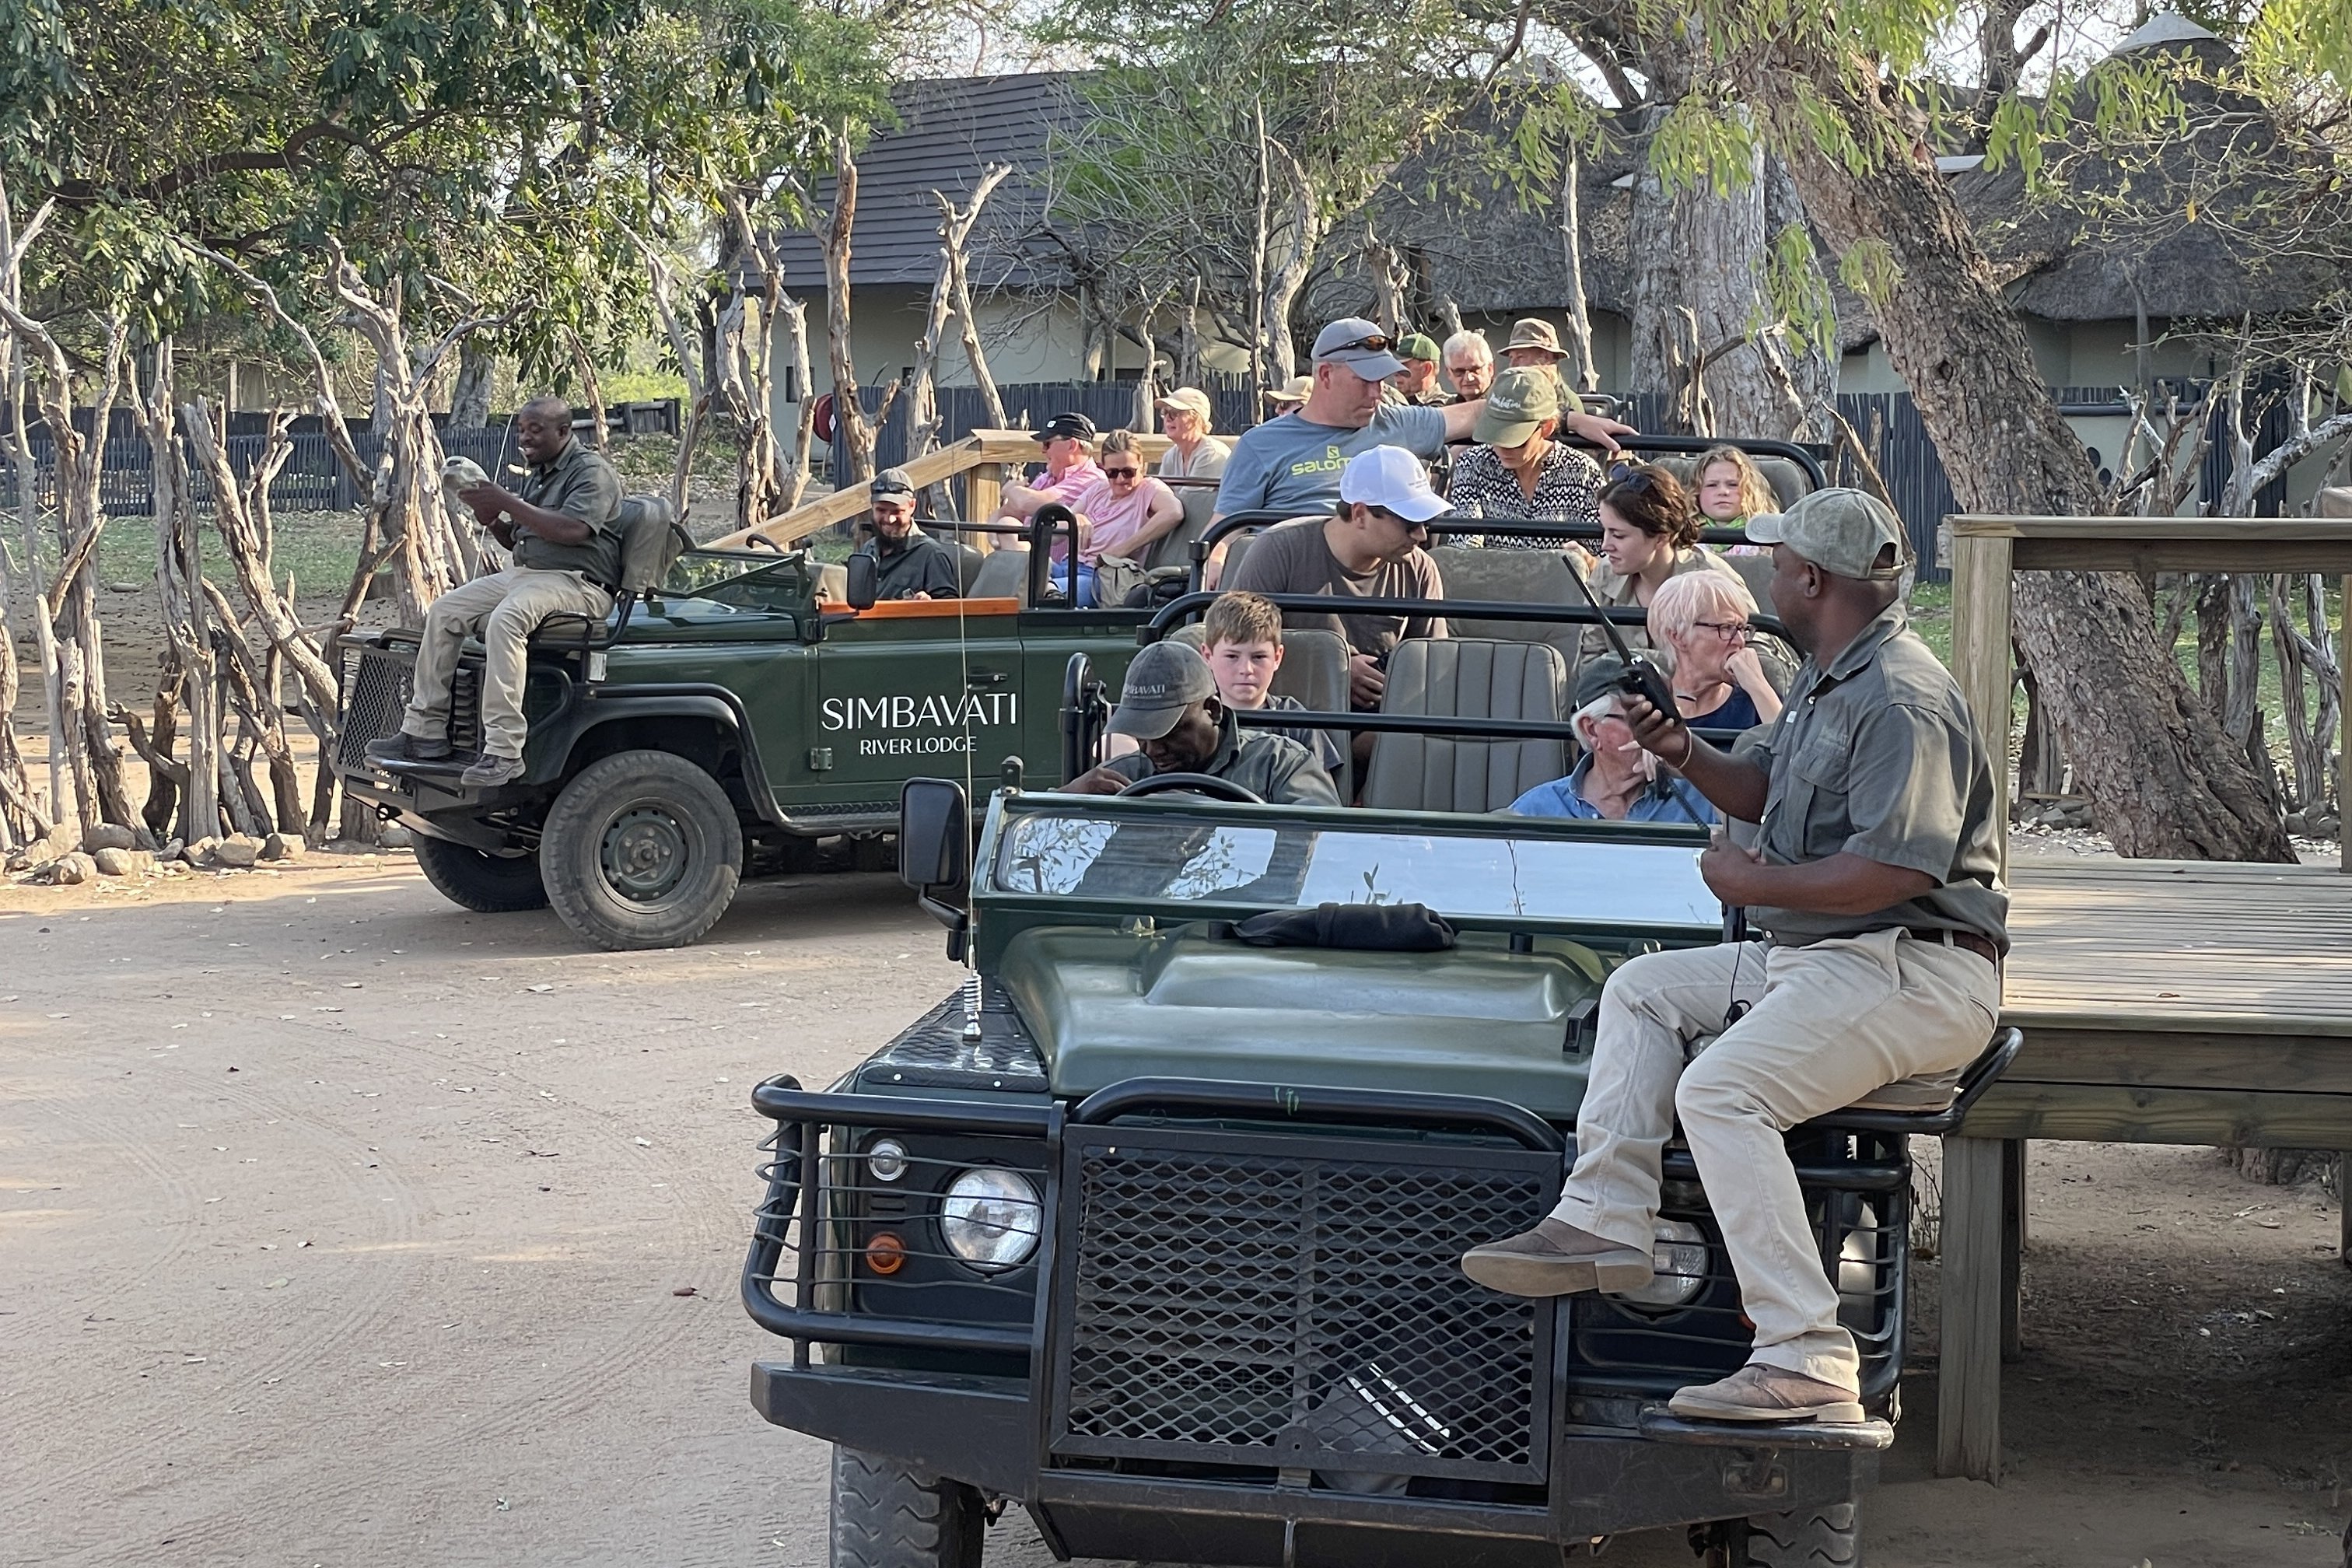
x: 1649, y: 532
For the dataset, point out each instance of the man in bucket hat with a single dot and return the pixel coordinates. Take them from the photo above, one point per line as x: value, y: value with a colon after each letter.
x: 1168, y: 705
x: 1876, y: 880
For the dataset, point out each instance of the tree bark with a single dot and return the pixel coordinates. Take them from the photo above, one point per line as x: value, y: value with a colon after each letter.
x: 179, y: 582
x: 1584, y: 373
x: 833, y: 235
x: 470, y: 400
x: 592, y: 388
x: 2164, y: 779
x: 1292, y: 239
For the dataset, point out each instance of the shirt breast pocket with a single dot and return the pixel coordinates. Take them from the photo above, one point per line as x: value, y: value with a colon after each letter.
x: 1820, y: 768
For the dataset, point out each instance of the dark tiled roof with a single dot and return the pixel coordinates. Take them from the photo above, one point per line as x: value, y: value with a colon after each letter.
x: 949, y: 130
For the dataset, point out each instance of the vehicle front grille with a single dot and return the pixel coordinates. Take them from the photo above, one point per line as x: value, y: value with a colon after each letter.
x: 1243, y: 1299
x: 377, y: 682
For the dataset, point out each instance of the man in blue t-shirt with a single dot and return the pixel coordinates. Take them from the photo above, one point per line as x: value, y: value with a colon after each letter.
x: 1292, y: 465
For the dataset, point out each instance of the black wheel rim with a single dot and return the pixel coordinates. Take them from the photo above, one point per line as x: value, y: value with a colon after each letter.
x: 645, y: 853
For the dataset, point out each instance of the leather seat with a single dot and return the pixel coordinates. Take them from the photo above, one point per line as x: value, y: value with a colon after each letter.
x: 1467, y: 678
x: 1174, y: 548
x: 1790, y: 483
x: 1511, y: 576
x: 967, y: 564
x: 1002, y: 574
x: 650, y: 541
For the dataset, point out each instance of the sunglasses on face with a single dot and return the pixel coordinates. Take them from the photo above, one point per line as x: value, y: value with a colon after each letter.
x: 1631, y: 475
x: 1121, y: 473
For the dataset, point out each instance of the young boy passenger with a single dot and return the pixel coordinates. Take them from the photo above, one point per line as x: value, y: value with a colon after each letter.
x: 1242, y: 640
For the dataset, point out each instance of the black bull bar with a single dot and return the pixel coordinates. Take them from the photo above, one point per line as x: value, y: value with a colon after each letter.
x: 1243, y: 1326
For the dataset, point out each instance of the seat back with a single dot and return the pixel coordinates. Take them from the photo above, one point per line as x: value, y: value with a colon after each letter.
x: 968, y: 563
x: 1510, y: 576
x: 1002, y: 574
x: 649, y: 542
x: 1467, y: 678
x: 1314, y: 669
x: 1174, y: 548
x: 1756, y: 570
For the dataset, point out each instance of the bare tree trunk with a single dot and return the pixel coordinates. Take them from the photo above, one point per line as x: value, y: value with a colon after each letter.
x: 968, y: 321
x: 592, y: 388
x: 19, y: 806
x: 833, y: 235
x: 955, y: 238
x: 2164, y: 778
x: 1810, y: 362
x: 469, y: 401
x: 692, y: 367
x: 1300, y: 232
x: 178, y: 580
x: 1584, y: 373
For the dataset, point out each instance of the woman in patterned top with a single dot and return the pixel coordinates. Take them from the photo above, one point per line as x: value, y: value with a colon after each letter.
x: 1519, y: 471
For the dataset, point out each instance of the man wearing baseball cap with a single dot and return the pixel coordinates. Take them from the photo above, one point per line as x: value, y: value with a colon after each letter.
x: 908, y: 563
x: 1368, y: 547
x: 1417, y: 382
x: 1293, y: 465
x: 1876, y: 880
x: 1068, y: 442
x: 1168, y: 705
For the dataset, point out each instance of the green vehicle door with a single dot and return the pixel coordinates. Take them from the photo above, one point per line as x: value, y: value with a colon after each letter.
x: 914, y: 688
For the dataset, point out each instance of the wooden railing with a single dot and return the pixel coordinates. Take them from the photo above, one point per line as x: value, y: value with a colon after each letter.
x: 985, y: 461
x: 1985, y: 550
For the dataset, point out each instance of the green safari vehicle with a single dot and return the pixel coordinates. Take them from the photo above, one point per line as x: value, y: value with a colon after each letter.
x: 1152, y: 1228
x: 725, y: 721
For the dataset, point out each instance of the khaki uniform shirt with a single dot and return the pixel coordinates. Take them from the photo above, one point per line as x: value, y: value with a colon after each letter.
x: 1280, y: 772
x: 578, y: 482
x: 1876, y: 755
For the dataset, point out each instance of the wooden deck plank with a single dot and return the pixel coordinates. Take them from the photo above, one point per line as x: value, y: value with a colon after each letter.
x: 2109, y: 1113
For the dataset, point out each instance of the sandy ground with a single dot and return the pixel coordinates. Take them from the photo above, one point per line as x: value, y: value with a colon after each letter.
x: 341, y: 1226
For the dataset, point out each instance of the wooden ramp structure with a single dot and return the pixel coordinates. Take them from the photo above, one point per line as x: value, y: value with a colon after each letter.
x: 2162, y: 1001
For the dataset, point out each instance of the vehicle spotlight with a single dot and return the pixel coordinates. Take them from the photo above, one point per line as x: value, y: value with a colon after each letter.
x: 886, y: 1159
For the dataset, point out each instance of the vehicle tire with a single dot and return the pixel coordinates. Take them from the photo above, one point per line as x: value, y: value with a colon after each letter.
x: 1827, y: 1537
x: 473, y: 879
x: 641, y: 850
x: 884, y: 1516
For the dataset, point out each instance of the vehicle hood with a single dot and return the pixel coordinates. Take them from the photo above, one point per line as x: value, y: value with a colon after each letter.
x: 1105, y: 1006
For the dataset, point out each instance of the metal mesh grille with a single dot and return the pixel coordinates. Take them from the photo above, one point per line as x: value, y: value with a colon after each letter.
x: 375, y: 691
x: 1228, y: 1304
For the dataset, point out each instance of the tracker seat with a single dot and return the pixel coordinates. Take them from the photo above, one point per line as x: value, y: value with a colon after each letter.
x: 1467, y: 678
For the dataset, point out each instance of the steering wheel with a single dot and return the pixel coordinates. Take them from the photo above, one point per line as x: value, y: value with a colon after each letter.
x: 762, y: 542
x: 1202, y: 784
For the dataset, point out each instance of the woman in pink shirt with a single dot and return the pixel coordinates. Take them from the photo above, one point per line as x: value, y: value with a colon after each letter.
x: 1120, y: 514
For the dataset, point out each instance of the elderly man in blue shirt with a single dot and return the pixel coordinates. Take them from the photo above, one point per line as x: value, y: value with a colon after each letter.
x: 1616, y: 781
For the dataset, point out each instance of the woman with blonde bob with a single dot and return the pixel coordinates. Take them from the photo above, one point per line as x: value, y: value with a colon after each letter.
x: 1704, y: 620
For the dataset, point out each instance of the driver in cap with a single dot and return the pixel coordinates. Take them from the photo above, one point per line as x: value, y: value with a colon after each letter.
x: 1170, y: 706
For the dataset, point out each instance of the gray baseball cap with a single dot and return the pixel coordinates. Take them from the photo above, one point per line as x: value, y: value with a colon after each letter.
x: 891, y: 482
x: 1839, y: 530
x: 1520, y: 399
x: 1162, y: 680
x: 1361, y: 345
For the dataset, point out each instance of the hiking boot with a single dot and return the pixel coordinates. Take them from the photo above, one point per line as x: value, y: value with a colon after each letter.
x: 1761, y: 1392
x: 489, y: 770
x: 402, y: 747
x: 1557, y: 1259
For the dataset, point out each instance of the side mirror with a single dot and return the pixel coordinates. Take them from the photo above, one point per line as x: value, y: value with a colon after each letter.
x: 935, y: 853
x: 865, y: 583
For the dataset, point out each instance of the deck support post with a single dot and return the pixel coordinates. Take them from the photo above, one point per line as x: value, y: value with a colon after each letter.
x: 1981, y: 661
x: 2012, y: 1246
x: 1967, y: 1381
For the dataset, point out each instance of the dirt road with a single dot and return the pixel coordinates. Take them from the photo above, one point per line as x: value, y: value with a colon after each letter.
x: 338, y: 1227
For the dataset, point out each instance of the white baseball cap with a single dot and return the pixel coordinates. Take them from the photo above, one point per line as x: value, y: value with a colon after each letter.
x: 1392, y: 478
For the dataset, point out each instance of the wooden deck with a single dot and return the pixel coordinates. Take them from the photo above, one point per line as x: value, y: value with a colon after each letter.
x: 2163, y: 1002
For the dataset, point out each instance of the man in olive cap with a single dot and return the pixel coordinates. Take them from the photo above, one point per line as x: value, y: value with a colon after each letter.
x: 908, y: 563
x: 1168, y: 705
x: 1876, y: 880
x: 1417, y: 382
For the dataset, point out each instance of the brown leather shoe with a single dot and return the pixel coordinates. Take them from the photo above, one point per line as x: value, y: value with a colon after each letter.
x: 1761, y: 1392
x: 1555, y: 1258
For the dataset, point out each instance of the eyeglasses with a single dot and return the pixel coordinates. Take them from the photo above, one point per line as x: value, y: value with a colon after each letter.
x: 1730, y: 631
x: 1121, y: 473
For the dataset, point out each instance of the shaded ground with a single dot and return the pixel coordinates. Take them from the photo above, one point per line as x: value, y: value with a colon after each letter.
x: 331, y: 1237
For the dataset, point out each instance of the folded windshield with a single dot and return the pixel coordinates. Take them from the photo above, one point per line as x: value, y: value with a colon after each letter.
x: 1627, y: 883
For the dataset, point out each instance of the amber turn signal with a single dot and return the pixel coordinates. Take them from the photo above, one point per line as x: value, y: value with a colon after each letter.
x: 886, y: 1254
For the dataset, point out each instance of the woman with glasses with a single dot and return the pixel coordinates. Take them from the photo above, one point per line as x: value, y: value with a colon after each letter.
x: 1121, y: 514
x: 1648, y: 534
x: 1702, y: 618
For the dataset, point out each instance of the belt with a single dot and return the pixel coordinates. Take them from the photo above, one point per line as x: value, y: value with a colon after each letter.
x: 1969, y: 941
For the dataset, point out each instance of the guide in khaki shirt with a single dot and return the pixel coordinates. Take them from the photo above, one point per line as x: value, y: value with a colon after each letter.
x: 1877, y: 876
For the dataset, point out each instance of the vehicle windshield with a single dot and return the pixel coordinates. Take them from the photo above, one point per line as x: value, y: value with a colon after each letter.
x: 750, y: 579
x: 1589, y: 881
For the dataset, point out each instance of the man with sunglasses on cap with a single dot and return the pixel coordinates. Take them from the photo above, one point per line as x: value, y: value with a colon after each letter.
x: 907, y: 562
x: 1068, y: 442
x: 1877, y: 880
x: 1293, y: 465
x: 1168, y: 705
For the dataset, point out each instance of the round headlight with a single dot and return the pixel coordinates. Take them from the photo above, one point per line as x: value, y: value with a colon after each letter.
x: 1679, y: 1257
x: 886, y: 1159
x: 990, y: 1218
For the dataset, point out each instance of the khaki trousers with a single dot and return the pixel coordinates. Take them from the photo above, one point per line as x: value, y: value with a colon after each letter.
x: 1827, y: 1024
x: 505, y: 608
